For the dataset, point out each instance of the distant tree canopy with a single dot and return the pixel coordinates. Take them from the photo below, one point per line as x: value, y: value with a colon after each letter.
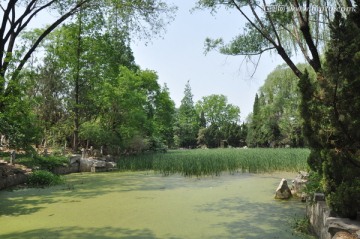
x: 276, y: 119
x: 221, y: 122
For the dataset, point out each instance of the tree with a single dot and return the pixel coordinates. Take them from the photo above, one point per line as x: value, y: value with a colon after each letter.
x: 188, y: 121
x: 164, y: 116
x: 330, y: 108
x: 280, y: 26
x: 277, y: 121
x: 222, y: 120
x: 270, y: 28
x: 216, y: 110
x: 145, y: 17
x: 130, y: 105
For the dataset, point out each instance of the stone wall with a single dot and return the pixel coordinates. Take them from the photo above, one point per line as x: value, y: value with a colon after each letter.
x: 13, y: 180
x: 12, y: 175
x: 327, y: 227
x: 73, y: 168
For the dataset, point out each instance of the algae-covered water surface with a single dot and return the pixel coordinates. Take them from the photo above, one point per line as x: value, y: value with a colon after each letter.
x: 147, y: 205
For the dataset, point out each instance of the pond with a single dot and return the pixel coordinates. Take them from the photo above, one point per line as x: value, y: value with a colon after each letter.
x: 148, y: 205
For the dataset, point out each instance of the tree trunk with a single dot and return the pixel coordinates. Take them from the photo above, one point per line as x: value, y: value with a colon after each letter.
x: 77, y: 89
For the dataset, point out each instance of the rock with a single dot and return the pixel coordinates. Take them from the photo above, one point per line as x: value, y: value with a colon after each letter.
x: 298, y: 185
x: 319, y: 197
x: 336, y: 225
x: 344, y: 235
x: 74, y: 158
x: 110, y: 165
x: 283, y: 191
x: 86, y: 164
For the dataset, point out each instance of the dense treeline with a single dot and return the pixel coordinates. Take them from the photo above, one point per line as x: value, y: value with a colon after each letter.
x: 86, y: 90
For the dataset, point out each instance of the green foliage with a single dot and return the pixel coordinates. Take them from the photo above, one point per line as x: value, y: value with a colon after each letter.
x: 17, y: 121
x: 345, y: 201
x: 314, y: 184
x: 217, y: 110
x: 42, y: 178
x: 268, y: 28
x: 215, y: 161
x: 219, y: 121
x: 47, y: 163
x: 330, y: 109
x: 276, y: 119
x: 303, y: 228
x: 188, y: 121
x: 164, y: 118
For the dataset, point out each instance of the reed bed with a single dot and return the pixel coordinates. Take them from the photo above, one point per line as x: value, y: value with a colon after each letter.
x: 201, y: 162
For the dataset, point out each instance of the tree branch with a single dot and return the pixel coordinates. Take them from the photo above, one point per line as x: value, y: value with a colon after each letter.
x: 305, y: 29
x: 272, y: 24
x: 255, y: 53
x: 43, y: 35
x: 10, y: 5
x: 281, y: 51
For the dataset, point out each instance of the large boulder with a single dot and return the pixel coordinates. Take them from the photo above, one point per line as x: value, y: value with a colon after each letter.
x: 95, y: 165
x: 283, y: 191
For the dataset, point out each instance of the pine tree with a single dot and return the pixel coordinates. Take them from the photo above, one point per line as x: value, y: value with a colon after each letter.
x: 188, y: 122
x: 331, y: 111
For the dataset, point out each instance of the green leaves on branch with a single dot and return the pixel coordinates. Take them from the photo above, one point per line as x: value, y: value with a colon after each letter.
x: 249, y: 43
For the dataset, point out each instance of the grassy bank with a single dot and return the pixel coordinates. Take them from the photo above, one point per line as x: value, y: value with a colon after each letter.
x: 214, y: 161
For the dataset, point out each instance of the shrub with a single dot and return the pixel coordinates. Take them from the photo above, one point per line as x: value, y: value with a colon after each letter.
x: 345, y: 201
x: 44, y: 163
x: 44, y: 178
x: 303, y: 227
x: 314, y: 184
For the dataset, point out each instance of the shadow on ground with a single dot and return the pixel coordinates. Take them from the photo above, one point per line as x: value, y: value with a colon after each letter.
x: 261, y: 220
x: 82, y: 233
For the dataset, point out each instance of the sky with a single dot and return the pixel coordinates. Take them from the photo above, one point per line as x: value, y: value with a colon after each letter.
x: 178, y: 56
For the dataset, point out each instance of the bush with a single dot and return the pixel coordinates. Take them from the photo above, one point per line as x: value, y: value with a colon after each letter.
x: 314, y: 184
x: 44, y: 178
x: 302, y: 226
x: 45, y: 163
x: 345, y: 202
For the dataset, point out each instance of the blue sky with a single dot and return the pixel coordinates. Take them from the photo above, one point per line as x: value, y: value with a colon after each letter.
x: 179, y: 56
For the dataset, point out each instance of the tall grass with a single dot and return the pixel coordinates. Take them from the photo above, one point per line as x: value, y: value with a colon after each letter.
x: 214, y: 161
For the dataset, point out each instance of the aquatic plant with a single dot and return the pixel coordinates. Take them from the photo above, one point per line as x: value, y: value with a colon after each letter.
x: 214, y: 161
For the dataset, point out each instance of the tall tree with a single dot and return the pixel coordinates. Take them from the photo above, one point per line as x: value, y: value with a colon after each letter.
x: 217, y: 110
x: 330, y: 108
x: 164, y: 116
x: 128, y: 109
x: 277, y: 120
x: 145, y: 17
x: 222, y: 120
x: 188, y: 122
